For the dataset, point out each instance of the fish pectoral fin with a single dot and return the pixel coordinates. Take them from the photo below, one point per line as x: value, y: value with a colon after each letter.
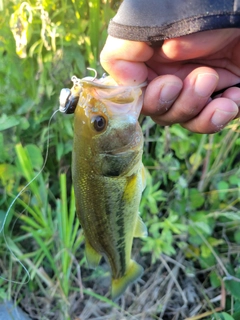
x: 144, y: 178
x: 134, y: 272
x: 92, y: 256
x: 140, y: 229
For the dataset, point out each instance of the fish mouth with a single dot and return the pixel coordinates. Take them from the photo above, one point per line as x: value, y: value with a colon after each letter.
x: 123, y: 150
x: 115, y: 152
x: 94, y: 83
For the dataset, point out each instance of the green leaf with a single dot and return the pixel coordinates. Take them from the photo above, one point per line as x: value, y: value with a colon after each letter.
x: 233, y: 287
x: 3, y: 295
x: 237, y: 236
x: 210, y: 261
x: 179, y: 132
x: 24, y: 124
x: 196, y: 198
x: 181, y: 148
x: 234, y: 180
x: 174, y: 175
x: 203, y: 226
x: 205, y: 251
x: 194, y: 239
x: 215, y: 242
x: 195, y: 160
x: 225, y: 316
x: 236, y: 315
x: 237, y: 305
x: 215, y: 280
x: 223, y: 187
x: 182, y: 182
x: 35, y: 155
x: 235, y: 216
x: 2, y: 217
x: 8, y: 175
x: 202, y: 222
x: 7, y: 122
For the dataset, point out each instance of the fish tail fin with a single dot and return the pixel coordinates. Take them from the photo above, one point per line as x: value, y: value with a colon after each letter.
x: 134, y: 272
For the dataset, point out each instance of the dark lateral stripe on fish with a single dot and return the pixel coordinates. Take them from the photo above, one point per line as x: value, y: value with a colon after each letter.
x: 117, y: 257
x: 121, y: 244
x: 121, y: 240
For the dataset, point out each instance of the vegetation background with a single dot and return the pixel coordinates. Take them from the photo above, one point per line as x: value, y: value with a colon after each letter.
x: 191, y: 203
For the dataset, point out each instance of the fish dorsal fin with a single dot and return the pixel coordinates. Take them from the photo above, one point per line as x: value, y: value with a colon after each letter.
x: 133, y: 272
x: 140, y: 229
x: 92, y: 256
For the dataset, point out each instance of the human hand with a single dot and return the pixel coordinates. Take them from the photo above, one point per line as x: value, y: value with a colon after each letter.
x: 182, y: 76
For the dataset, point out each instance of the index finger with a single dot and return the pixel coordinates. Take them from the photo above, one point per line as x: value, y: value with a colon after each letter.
x: 124, y: 60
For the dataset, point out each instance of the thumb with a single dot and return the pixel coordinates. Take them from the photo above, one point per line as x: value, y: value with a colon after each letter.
x: 124, y: 60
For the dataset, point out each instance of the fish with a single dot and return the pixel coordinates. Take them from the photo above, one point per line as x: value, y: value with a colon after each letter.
x: 108, y: 174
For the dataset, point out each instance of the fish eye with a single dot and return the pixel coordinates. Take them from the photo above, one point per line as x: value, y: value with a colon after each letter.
x: 99, y: 123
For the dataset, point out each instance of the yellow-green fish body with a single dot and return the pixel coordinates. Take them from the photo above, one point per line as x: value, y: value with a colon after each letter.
x: 108, y: 176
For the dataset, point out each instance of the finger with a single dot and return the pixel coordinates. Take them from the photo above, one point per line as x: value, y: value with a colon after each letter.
x: 196, y: 45
x: 124, y: 60
x: 227, y: 78
x: 234, y: 95
x: 218, y: 113
x: 160, y: 94
x: 197, y: 89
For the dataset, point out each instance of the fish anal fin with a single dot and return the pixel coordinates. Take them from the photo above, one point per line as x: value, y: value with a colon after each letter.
x: 92, y: 256
x: 140, y: 229
x: 134, y: 272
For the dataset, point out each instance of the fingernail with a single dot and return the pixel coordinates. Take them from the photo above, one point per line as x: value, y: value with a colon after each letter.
x: 221, y: 118
x: 169, y: 92
x: 205, y: 84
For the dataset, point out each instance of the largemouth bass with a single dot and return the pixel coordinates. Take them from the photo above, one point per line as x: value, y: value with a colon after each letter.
x: 108, y: 174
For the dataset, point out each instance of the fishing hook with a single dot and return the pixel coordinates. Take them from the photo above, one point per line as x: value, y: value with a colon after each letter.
x: 95, y: 73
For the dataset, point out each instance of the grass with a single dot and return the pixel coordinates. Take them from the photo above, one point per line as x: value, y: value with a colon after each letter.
x: 190, y: 205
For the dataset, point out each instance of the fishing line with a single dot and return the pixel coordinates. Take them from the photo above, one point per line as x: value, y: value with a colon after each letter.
x: 22, y: 212
x: 15, y: 199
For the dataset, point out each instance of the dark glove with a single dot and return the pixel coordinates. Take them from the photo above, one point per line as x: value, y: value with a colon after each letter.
x: 156, y: 20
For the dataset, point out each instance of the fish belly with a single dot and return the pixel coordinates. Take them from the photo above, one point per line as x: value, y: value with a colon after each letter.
x: 108, y: 211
